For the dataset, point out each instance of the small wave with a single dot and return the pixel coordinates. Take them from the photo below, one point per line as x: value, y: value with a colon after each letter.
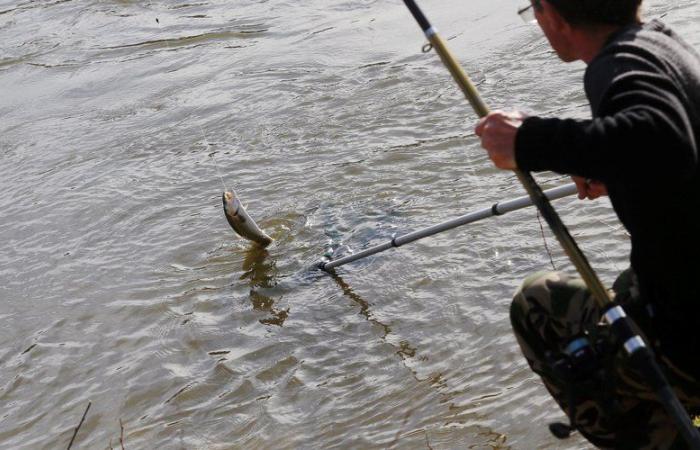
x: 189, y: 40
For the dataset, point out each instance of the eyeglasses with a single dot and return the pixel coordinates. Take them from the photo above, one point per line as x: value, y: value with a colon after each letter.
x: 527, y: 13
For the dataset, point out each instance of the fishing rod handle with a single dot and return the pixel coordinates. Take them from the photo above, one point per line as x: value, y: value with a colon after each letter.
x: 642, y: 358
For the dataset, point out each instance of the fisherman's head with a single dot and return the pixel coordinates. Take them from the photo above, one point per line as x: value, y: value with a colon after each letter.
x: 565, y: 22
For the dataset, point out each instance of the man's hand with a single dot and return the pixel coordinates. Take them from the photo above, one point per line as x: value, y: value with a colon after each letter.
x: 497, y: 132
x: 590, y: 189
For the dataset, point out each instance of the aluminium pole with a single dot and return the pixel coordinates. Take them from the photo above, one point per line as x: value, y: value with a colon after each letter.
x: 497, y: 209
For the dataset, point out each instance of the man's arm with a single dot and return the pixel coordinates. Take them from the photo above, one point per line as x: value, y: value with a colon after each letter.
x: 643, y: 133
x: 498, y: 132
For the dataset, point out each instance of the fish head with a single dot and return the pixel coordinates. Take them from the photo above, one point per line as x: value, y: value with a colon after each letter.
x: 231, y: 203
x: 239, y: 220
x: 230, y: 196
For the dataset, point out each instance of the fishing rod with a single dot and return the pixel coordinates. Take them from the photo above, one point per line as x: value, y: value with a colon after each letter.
x: 622, y: 326
x: 497, y: 209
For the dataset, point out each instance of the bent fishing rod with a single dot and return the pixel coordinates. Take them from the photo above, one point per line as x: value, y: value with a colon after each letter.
x: 497, y: 209
x: 622, y: 326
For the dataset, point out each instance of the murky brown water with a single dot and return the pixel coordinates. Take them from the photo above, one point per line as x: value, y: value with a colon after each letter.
x: 122, y: 284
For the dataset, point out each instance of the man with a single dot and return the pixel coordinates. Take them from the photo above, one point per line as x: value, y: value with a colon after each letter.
x: 643, y: 84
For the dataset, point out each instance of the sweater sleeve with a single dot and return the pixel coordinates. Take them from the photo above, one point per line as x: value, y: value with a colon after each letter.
x: 642, y: 131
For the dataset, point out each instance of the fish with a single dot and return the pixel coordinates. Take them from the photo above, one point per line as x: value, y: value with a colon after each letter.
x: 241, y: 222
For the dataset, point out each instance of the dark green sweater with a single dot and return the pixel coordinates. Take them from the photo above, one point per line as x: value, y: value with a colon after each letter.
x: 643, y: 140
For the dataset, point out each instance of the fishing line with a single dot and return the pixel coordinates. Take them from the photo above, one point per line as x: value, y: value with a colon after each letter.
x: 216, y: 166
x: 201, y: 129
x: 614, y: 228
x: 211, y: 155
x: 544, y: 239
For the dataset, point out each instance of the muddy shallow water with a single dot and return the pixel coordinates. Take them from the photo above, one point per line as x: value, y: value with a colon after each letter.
x: 122, y: 284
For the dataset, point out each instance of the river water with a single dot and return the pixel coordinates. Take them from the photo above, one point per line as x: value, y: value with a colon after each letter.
x: 123, y: 287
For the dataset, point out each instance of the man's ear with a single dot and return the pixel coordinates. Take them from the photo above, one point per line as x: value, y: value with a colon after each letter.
x: 556, y: 21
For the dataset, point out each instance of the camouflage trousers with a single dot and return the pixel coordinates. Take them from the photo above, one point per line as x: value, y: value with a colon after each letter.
x: 612, y: 405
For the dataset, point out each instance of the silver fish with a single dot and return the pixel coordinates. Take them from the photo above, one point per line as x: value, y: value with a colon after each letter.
x: 241, y: 222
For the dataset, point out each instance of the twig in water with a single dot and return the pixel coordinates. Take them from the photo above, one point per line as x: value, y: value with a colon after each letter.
x: 121, y: 434
x: 29, y: 349
x: 75, y: 433
x: 178, y: 393
x: 427, y: 442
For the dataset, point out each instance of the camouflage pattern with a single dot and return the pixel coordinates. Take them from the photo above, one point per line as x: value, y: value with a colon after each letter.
x: 613, y: 407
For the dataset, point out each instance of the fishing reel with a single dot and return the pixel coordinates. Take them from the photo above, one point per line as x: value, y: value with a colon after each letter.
x: 578, y: 361
x: 577, y: 364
